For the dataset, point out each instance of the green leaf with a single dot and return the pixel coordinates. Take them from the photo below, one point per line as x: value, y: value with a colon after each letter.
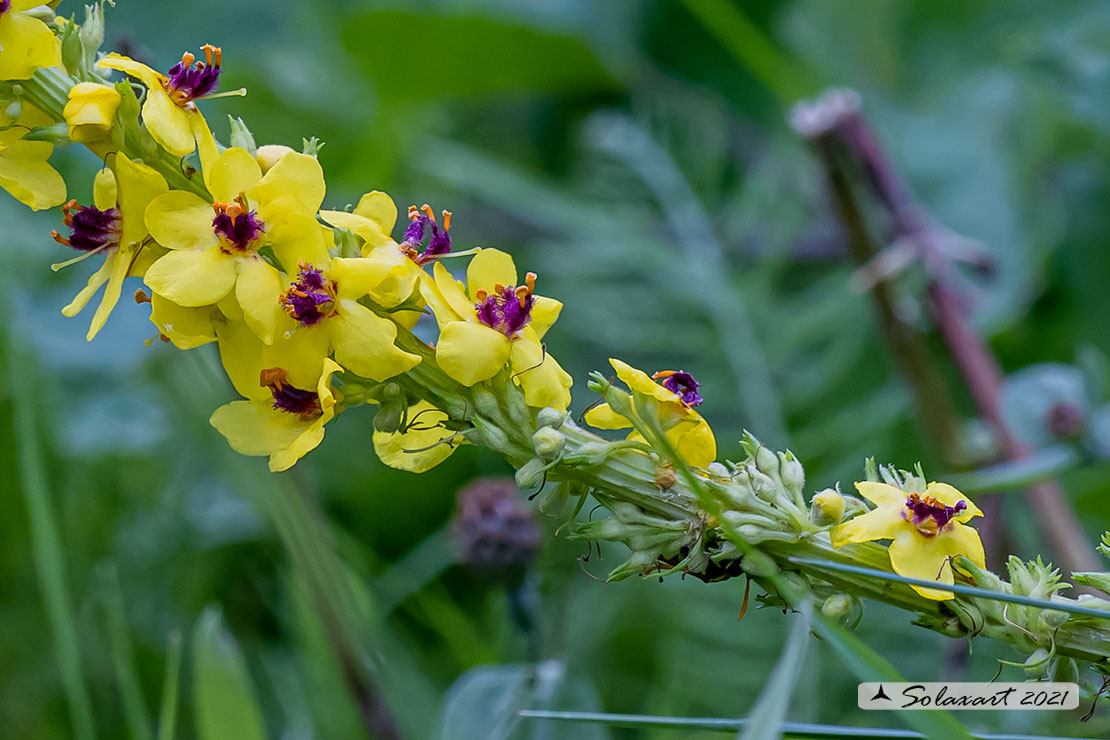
x: 766, y: 720
x: 868, y: 665
x: 167, y: 718
x: 488, y: 701
x: 123, y: 655
x: 226, y: 708
x: 449, y: 56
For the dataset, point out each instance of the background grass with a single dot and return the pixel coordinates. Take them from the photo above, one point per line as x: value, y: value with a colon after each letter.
x: 636, y: 156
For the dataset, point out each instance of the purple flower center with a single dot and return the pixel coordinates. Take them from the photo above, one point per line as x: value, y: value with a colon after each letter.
x: 682, y: 384
x: 509, y: 308
x: 305, y: 404
x: 929, y: 515
x: 186, y: 81
x: 91, y: 228
x: 4, y: 6
x: 420, y: 221
x: 238, y: 227
x: 311, y: 298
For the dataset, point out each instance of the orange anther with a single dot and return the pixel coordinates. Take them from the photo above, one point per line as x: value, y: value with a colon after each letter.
x: 428, y: 212
x: 414, y: 213
x: 187, y: 59
x: 446, y: 220
x: 481, y: 294
x: 530, y: 281
x: 662, y: 374
x: 142, y: 297
x: 272, y: 377
x: 59, y: 238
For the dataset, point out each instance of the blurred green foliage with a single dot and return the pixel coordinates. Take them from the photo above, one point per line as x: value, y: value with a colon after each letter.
x: 646, y: 173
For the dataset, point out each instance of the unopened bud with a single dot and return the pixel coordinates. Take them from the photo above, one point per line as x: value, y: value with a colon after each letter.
x: 241, y: 136
x: 759, y: 564
x: 827, y: 508
x: 1051, y: 619
x: 73, y: 54
x: 549, y: 417
x: 548, y: 442
x: 1036, y: 665
x: 766, y: 460
x: 271, y: 154
x: 13, y: 110
x: 57, y: 134
x: 1065, y: 670
x: 92, y: 31
x: 530, y: 473
x: 838, y: 606
x: 792, y: 473
x: 388, y: 418
x: 392, y: 392
x: 718, y: 470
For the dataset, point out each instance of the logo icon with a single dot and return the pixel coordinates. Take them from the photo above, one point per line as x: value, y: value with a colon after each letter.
x: 880, y: 694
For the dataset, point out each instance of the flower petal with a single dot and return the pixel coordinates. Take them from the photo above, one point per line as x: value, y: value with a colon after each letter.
x: 602, y: 416
x: 105, y: 190
x: 379, y: 208
x: 369, y: 230
x: 544, y: 382
x: 488, y: 268
x: 28, y: 44
x: 181, y: 220
x: 915, y: 556
x: 420, y: 448
x: 883, y: 523
x: 121, y: 263
x: 97, y: 279
x: 235, y: 171
x: 305, y: 442
x: 694, y: 442
x: 169, y: 124
x: 129, y: 66
x: 256, y: 428
x: 298, y: 238
x: 641, y: 382
x: 186, y: 327
x: 359, y: 276
x: 545, y: 311
x: 192, y: 278
x: 881, y: 494
x: 137, y: 186
x: 447, y: 300
x: 471, y: 352
x: 363, y: 343
x: 257, y: 289
x: 241, y: 356
x: 296, y: 175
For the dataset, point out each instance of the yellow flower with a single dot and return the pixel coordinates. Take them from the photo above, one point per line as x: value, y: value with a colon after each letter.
x: 492, y: 322
x: 323, y: 303
x: 170, y: 112
x: 674, y: 399
x: 212, y: 256
x: 24, y: 170
x: 185, y: 327
x: 286, y: 423
x: 925, y: 531
x: 90, y: 111
x: 26, y: 43
x: 421, y: 445
x: 373, y: 221
x: 113, y: 224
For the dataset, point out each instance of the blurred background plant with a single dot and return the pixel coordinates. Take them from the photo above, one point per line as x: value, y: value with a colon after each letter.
x: 638, y: 156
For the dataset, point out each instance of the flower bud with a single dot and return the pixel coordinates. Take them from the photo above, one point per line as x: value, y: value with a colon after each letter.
x: 388, y: 418
x: 838, y: 606
x: 792, y: 473
x: 392, y: 392
x: 486, y: 402
x: 548, y: 442
x: 92, y: 31
x: 1036, y: 665
x: 759, y: 564
x: 91, y: 111
x: 826, y: 508
x: 766, y: 460
x: 1050, y: 619
x: 241, y: 136
x: 73, y: 54
x: 13, y: 110
x: 271, y: 154
x: 549, y: 417
x: 530, y: 473
x: 57, y: 134
x: 1065, y: 670
x: 718, y: 470
x: 553, y: 499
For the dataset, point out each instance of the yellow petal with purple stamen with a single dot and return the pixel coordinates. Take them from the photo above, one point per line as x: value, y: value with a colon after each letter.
x: 949, y: 496
x: 169, y: 124
x: 471, y: 352
x: 252, y: 428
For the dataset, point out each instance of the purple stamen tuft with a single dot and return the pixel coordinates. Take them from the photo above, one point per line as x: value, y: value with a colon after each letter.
x: 682, y: 384
x: 929, y: 515
x: 509, y: 308
x: 186, y: 81
x: 311, y: 298
x: 91, y: 228
x: 305, y: 404
x: 238, y: 227
x: 420, y: 219
x: 5, y: 5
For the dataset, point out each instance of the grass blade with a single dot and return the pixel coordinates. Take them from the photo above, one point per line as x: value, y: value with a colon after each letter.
x: 958, y: 588
x: 226, y: 708
x: 728, y: 724
x: 110, y: 596
x: 766, y: 719
x: 167, y: 718
x: 45, y: 540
